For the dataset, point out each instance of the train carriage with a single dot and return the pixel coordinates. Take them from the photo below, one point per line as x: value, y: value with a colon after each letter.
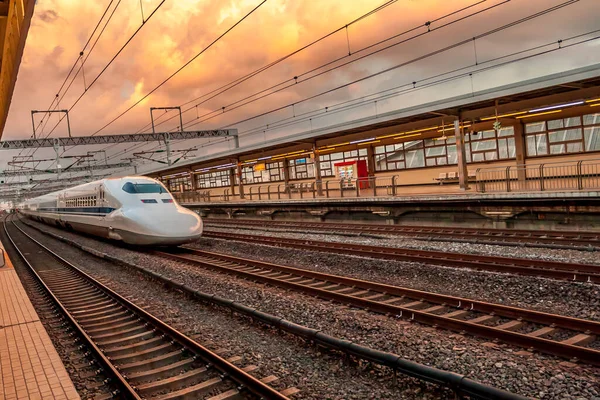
x: 134, y: 209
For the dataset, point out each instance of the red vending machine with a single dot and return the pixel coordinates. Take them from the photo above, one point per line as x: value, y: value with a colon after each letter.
x: 348, y: 171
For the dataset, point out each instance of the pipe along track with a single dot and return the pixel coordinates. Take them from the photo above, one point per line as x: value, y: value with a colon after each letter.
x: 517, y: 266
x: 548, y: 333
x: 580, y: 240
x: 145, y: 357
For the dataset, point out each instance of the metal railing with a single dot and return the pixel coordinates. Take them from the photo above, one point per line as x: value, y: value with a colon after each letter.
x: 331, y: 188
x: 555, y: 176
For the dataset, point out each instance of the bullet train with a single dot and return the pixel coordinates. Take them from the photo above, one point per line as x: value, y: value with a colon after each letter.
x: 135, y: 209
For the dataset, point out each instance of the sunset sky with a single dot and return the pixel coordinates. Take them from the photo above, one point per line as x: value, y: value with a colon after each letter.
x: 181, y: 28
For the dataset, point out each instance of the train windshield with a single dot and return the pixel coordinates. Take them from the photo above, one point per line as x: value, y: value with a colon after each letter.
x: 130, y: 187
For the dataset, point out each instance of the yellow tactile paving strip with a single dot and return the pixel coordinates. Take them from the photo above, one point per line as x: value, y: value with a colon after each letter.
x: 30, y: 367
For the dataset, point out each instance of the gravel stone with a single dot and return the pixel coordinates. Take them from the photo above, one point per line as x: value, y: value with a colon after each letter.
x: 499, y: 365
x: 574, y: 299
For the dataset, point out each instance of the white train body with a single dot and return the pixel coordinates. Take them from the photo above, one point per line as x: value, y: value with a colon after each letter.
x: 135, y: 209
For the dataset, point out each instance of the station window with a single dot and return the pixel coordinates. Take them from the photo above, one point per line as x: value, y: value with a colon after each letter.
x: 563, y: 136
x: 591, y: 132
x: 180, y: 184
x: 301, y: 168
x: 490, y: 145
x: 213, y: 179
x: 327, y: 161
x: 479, y: 147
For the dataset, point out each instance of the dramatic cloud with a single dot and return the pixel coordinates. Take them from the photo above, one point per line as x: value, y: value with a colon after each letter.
x: 182, y: 28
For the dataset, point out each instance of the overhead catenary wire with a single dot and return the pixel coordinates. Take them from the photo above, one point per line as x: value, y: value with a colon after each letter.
x: 109, y: 63
x: 181, y: 68
x: 112, y: 60
x: 275, y: 62
x: 56, y: 98
x: 238, y: 81
x: 367, y: 47
x: 506, y: 26
x: 416, y: 85
x: 389, y: 69
x: 493, y: 31
x: 294, y: 81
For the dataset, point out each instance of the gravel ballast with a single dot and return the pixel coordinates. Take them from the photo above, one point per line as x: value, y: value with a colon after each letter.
x: 502, y: 366
x: 573, y: 299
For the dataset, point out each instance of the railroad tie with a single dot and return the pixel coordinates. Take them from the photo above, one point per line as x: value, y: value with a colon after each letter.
x: 579, y: 340
x: 511, y: 325
x: 458, y: 314
x: 484, y: 318
x: 546, y: 331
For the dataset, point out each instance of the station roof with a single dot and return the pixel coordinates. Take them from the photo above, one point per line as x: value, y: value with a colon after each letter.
x: 15, y: 19
x: 575, y: 85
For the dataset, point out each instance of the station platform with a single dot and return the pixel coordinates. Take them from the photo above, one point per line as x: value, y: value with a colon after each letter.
x: 409, y: 197
x: 30, y: 367
x: 519, y: 210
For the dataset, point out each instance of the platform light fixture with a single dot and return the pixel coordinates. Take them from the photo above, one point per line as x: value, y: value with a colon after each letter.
x: 174, y: 175
x: 405, y: 136
x: 230, y: 165
x: 503, y: 116
x: 576, y: 103
x: 595, y: 105
x: 451, y: 128
x: 538, y: 114
x: 335, y: 145
x: 405, y: 133
x: 372, y: 141
x: 593, y: 100
x: 362, y: 140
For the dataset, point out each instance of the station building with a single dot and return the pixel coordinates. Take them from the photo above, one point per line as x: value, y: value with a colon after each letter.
x: 532, y: 139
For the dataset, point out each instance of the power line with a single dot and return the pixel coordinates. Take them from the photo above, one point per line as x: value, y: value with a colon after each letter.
x: 427, y: 24
x: 275, y: 62
x: 56, y: 98
x: 77, y: 60
x: 409, y: 87
x: 252, y: 98
x: 525, y: 19
x: 430, y: 54
x: 294, y: 81
x: 181, y: 68
x: 112, y: 60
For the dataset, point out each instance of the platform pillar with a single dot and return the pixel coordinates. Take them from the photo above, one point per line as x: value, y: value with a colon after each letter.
x: 317, y: 164
x: 240, y: 183
x: 371, y: 165
x: 520, y: 151
x: 286, y: 176
x: 193, y: 180
x: 463, y: 177
x: 232, y: 174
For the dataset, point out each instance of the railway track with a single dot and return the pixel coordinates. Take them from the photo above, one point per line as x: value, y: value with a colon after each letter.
x: 510, y: 237
x: 517, y: 266
x: 144, y: 356
x: 562, y: 336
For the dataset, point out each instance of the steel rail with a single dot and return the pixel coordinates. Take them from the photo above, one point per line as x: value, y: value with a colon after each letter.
x: 459, y: 384
x: 128, y: 391
x: 340, y: 288
x: 520, y: 266
x: 238, y: 375
x: 585, y: 240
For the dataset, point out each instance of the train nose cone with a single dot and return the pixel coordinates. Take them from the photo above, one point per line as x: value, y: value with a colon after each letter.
x: 178, y: 224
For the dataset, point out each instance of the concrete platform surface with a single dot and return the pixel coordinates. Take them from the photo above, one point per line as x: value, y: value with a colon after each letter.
x: 406, y: 198
x: 30, y: 367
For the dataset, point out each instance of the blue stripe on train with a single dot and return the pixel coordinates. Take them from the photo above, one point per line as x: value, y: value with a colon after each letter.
x: 78, y: 210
